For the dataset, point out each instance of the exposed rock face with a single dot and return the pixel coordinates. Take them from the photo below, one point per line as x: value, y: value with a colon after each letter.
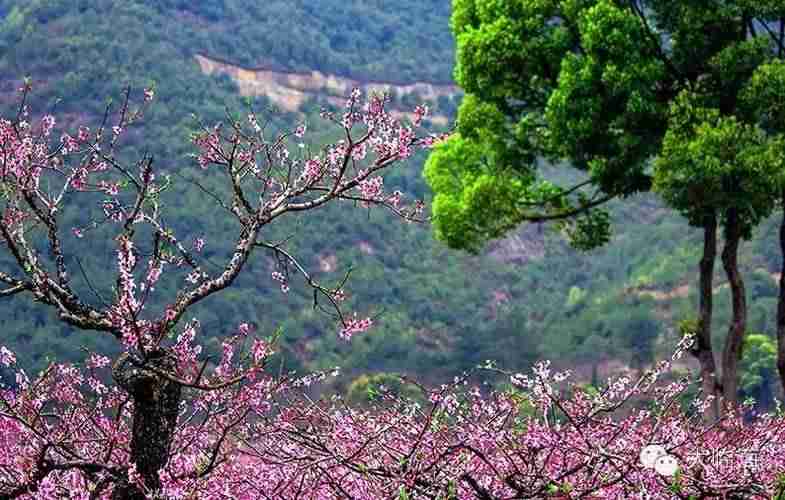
x: 289, y: 90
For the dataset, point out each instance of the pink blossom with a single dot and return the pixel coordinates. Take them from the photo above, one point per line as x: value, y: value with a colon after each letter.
x: 419, y: 113
x: 359, y: 152
x: 154, y: 272
x: 260, y: 350
x: 110, y: 188
x: 97, y: 361
x: 47, y: 124
x: 170, y: 314
x: 313, y: 170
x: 280, y: 278
x: 371, y: 189
x: 347, y: 121
x: 354, y: 97
x: 84, y: 134
x: 395, y: 199
x: 353, y: 326
x: 70, y: 145
x: 7, y: 358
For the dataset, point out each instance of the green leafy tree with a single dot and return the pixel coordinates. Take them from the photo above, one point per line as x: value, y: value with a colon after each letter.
x: 758, y: 369
x: 711, y: 165
x: 634, y: 94
x: 763, y: 100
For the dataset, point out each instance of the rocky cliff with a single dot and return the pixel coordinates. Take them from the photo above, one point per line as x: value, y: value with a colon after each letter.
x: 289, y: 90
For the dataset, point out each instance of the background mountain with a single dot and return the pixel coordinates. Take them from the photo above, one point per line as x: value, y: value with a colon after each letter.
x: 525, y: 298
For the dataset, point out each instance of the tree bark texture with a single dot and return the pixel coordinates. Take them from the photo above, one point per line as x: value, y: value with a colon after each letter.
x: 156, y: 400
x: 734, y: 342
x: 703, y: 349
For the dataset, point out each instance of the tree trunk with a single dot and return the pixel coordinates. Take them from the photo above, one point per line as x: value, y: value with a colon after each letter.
x: 781, y: 304
x: 156, y: 402
x: 703, y: 349
x: 765, y: 398
x: 733, y: 343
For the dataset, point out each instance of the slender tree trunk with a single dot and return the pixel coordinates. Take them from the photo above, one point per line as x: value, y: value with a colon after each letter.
x: 703, y: 349
x: 156, y: 401
x: 765, y: 398
x: 781, y: 304
x: 735, y: 340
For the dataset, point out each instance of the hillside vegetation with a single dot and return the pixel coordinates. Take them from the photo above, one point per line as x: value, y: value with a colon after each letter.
x: 444, y: 311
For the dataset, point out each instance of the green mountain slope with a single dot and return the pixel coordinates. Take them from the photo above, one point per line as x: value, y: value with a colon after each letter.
x: 443, y: 311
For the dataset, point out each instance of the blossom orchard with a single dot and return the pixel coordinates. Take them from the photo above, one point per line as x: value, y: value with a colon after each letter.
x: 65, y: 430
x: 172, y: 425
x: 546, y: 438
x: 549, y: 437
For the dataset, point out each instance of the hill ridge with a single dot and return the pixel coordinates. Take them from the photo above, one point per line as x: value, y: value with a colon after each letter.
x: 289, y: 90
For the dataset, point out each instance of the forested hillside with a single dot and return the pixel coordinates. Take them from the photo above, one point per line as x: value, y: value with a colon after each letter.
x: 443, y: 311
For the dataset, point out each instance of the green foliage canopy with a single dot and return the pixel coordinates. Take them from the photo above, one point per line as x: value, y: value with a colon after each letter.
x: 608, y: 86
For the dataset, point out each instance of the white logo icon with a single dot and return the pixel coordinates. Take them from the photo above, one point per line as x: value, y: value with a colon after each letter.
x: 666, y: 465
x: 655, y: 457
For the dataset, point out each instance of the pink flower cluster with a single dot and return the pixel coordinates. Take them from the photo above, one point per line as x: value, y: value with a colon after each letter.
x: 371, y: 189
x: 355, y: 325
x: 348, y: 169
x: 280, y: 278
x: 261, y: 439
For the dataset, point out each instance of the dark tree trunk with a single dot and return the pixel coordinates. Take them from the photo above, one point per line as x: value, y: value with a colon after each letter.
x: 702, y: 348
x: 731, y: 355
x: 765, y: 399
x: 156, y: 401
x: 781, y: 304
